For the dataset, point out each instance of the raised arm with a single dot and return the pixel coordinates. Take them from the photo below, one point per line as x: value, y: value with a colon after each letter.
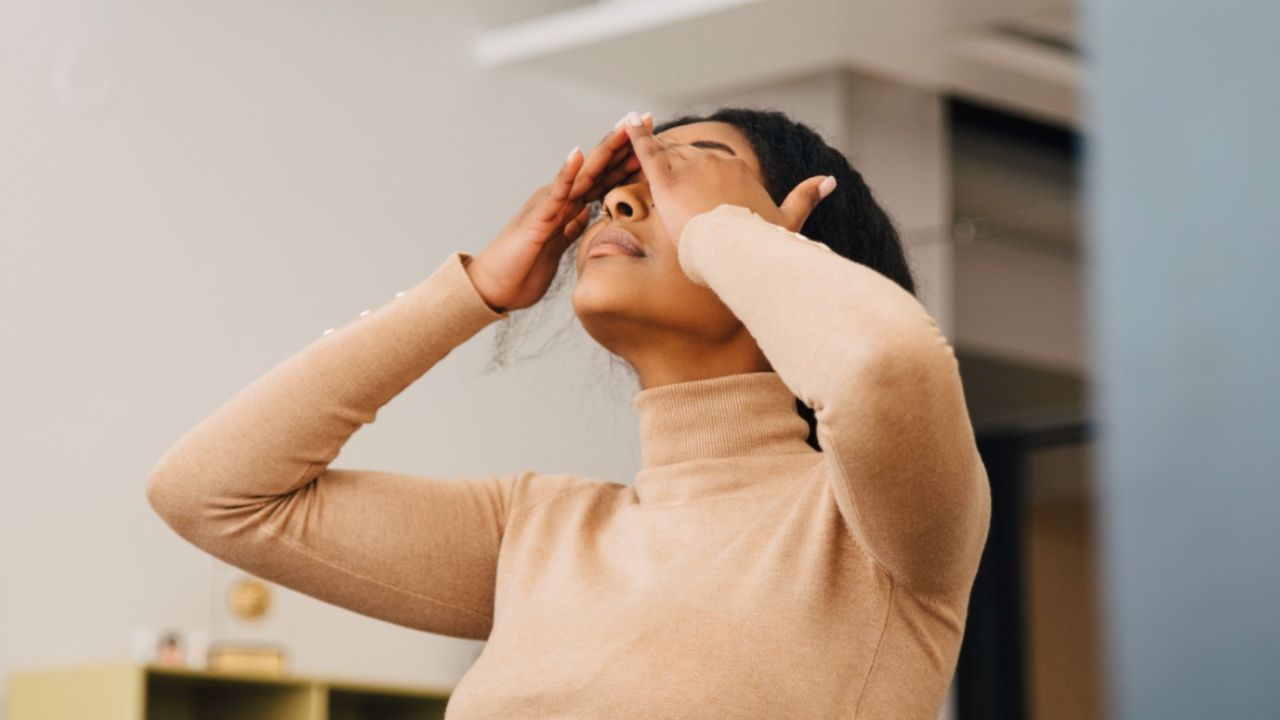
x: 251, y: 483
x: 883, y: 381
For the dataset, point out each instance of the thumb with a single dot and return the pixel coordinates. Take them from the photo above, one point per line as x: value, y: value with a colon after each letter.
x: 804, y: 197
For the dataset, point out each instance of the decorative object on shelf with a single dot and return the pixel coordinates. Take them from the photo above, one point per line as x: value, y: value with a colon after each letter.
x: 249, y: 598
x: 247, y: 659
x: 171, y: 651
x: 170, y: 647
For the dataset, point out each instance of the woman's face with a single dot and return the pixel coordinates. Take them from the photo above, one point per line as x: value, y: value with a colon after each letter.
x: 623, y: 300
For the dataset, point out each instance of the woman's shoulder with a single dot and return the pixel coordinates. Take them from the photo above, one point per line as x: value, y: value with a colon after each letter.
x: 535, y: 491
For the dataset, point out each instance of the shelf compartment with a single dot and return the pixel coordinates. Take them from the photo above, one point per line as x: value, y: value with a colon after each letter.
x: 173, y: 696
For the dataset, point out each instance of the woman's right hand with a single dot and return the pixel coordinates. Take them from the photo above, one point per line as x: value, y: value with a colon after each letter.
x: 516, y: 269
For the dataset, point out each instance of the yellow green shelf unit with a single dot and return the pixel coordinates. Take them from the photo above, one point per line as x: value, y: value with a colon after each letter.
x: 136, y: 691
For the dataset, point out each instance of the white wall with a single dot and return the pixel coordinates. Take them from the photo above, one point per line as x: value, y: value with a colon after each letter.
x: 192, y: 191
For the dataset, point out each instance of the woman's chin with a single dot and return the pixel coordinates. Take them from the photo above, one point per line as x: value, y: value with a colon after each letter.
x: 595, y: 294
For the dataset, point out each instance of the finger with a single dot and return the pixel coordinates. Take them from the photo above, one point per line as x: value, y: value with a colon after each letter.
x: 567, y: 212
x: 612, y: 177
x: 558, y: 192
x: 627, y: 150
x: 621, y: 177
x: 635, y: 175
x: 624, y: 157
x: 599, y: 159
x: 613, y: 149
x: 577, y: 224
x: 651, y: 151
x: 804, y: 197
x: 621, y: 131
x: 617, y: 176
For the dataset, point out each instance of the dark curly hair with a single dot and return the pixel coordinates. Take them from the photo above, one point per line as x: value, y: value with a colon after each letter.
x: 849, y: 221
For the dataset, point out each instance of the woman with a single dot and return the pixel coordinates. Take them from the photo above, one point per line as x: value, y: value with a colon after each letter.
x: 759, y: 566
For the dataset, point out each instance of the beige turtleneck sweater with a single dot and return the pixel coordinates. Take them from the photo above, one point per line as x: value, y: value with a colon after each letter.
x: 743, y: 574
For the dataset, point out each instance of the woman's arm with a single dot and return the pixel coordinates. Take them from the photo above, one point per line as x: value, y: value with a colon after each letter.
x: 883, y: 381
x: 251, y: 483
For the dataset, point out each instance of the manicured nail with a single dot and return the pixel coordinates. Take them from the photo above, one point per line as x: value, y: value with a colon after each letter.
x: 633, y: 118
x: 619, y: 123
x: 827, y: 185
x: 573, y: 152
x: 647, y: 116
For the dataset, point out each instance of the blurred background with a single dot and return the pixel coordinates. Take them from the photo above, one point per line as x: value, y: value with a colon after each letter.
x: 191, y: 192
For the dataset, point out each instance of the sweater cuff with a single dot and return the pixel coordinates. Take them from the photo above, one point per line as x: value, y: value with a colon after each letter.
x: 459, y: 280
x: 705, y: 229
x: 724, y: 230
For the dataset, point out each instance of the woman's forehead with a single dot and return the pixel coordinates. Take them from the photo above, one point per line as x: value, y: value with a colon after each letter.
x: 714, y: 132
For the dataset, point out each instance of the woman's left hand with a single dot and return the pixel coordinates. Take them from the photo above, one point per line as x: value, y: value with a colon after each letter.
x: 685, y: 181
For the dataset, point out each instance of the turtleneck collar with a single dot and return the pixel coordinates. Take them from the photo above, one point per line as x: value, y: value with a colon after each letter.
x: 745, y: 414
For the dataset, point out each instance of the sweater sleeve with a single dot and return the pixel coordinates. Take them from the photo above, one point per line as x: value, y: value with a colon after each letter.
x: 252, y: 484
x: 882, y: 380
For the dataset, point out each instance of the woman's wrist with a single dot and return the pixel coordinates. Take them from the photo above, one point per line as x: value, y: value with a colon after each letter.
x: 468, y: 264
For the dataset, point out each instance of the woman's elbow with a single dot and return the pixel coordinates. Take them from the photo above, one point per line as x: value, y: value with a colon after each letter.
x: 180, y: 489
x: 170, y: 497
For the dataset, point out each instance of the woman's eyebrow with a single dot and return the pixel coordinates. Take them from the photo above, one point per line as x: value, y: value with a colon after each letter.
x: 712, y: 145
x: 705, y: 144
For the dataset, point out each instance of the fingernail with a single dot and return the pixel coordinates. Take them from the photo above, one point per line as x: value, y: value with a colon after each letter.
x: 633, y: 118
x: 827, y: 185
x: 647, y: 116
x: 619, y: 123
x: 573, y: 152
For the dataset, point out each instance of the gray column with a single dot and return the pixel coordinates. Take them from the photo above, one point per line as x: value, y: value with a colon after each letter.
x: 1184, y: 184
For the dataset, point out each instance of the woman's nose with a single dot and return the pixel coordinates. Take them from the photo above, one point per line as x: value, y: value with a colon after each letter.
x: 627, y: 201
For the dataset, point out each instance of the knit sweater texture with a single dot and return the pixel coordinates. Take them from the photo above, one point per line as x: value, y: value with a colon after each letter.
x: 742, y: 574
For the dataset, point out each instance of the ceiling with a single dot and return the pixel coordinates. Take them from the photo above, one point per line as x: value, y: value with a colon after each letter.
x: 1022, y: 55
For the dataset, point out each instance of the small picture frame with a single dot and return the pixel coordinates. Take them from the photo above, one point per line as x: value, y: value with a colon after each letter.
x: 171, y: 647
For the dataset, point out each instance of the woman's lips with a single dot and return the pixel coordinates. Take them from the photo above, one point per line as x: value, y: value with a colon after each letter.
x: 614, y: 241
x: 603, y: 249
